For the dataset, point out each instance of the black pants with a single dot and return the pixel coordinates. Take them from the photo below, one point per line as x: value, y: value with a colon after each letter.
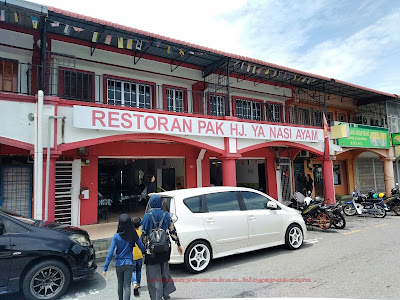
x: 124, y: 275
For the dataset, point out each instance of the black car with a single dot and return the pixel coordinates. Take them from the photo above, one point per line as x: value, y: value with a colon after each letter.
x: 40, y: 259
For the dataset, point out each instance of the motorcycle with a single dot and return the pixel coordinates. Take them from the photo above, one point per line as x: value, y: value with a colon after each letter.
x: 338, y: 220
x: 334, y: 211
x: 393, y: 201
x: 365, y: 204
x: 312, y: 213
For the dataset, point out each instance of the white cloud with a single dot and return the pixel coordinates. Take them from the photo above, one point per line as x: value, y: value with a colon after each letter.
x: 350, y: 57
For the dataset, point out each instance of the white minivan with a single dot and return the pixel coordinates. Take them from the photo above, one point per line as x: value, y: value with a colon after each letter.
x: 213, y: 222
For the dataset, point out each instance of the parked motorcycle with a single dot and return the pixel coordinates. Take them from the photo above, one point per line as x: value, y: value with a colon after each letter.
x: 338, y: 220
x: 312, y: 213
x: 365, y: 204
x: 393, y: 201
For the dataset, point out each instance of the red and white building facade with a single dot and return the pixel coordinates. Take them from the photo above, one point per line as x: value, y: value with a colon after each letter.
x: 195, y: 112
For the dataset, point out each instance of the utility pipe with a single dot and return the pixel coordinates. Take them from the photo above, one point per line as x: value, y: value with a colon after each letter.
x: 46, y: 197
x: 35, y: 167
x: 39, y: 158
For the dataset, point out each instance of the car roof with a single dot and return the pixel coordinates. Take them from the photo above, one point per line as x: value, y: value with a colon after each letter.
x: 185, y: 193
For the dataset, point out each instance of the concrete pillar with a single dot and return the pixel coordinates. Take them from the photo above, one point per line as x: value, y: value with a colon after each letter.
x: 351, y: 178
x: 272, y: 187
x: 329, y: 188
x: 191, y: 172
x: 229, y: 171
x: 388, y: 174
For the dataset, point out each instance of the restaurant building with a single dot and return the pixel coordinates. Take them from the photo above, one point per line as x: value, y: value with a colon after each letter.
x: 120, y: 105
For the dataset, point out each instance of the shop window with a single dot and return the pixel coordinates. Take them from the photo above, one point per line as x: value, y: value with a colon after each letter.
x: 317, y: 118
x: 77, y: 85
x: 8, y: 75
x: 274, y: 112
x: 175, y: 99
x: 248, y: 109
x: 337, y: 175
x: 217, y: 105
x: 329, y: 118
x: 128, y: 93
x: 341, y: 118
x: 303, y: 116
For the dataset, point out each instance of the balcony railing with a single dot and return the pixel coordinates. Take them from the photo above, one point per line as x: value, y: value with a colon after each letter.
x: 71, y: 84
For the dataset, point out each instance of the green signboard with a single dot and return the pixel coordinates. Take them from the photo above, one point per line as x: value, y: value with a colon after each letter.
x: 395, y: 139
x: 363, y: 136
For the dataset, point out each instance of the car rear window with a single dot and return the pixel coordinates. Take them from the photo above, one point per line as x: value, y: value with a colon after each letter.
x: 194, y: 204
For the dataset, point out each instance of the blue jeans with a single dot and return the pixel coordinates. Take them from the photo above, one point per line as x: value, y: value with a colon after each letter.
x: 137, y: 271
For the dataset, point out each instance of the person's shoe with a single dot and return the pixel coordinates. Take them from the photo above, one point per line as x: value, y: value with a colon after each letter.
x: 136, y: 292
x: 167, y: 297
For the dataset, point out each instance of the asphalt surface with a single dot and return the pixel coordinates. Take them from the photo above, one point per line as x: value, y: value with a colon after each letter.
x: 360, y: 261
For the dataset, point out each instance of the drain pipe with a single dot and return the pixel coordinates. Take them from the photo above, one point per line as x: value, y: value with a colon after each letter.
x: 46, y: 198
x: 199, y: 168
x: 39, y: 158
x: 397, y: 169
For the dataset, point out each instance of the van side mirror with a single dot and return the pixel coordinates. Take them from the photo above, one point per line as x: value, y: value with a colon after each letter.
x: 271, y: 205
x: 1, y: 228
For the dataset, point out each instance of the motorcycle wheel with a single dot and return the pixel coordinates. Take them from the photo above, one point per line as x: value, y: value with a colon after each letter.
x: 382, y: 213
x: 338, y: 221
x: 324, y: 221
x: 349, y: 210
x: 396, y: 209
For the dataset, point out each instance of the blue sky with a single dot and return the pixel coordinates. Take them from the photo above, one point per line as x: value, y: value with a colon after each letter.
x: 351, y: 40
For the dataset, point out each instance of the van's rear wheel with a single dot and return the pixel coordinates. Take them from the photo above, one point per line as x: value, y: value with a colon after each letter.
x: 46, y: 280
x: 294, y: 237
x: 197, y: 257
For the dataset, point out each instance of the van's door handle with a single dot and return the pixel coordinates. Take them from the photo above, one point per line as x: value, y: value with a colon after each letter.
x: 210, y: 220
x: 251, y: 218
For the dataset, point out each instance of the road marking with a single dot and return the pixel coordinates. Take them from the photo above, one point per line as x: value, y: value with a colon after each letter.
x: 366, y: 228
x: 350, y: 232
x: 312, y: 241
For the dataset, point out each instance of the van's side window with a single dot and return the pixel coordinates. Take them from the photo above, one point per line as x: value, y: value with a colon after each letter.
x: 222, y: 201
x: 254, y: 200
x: 194, y: 204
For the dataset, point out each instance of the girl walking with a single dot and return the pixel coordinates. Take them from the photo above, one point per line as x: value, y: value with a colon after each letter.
x: 124, y: 240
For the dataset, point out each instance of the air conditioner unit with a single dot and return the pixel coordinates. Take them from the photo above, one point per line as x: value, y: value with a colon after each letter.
x: 304, y: 153
x: 395, y: 127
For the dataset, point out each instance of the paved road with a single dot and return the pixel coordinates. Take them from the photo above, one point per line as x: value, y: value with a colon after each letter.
x: 361, y: 261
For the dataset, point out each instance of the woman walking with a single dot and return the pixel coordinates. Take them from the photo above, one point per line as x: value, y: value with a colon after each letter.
x: 159, y: 280
x: 124, y: 240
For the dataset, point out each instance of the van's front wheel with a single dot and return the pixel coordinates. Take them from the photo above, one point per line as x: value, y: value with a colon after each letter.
x: 197, y: 257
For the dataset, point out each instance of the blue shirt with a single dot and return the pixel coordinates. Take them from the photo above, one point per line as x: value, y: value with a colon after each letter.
x: 123, y: 254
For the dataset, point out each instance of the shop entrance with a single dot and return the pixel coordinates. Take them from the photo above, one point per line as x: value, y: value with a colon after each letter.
x: 251, y: 173
x: 121, y: 183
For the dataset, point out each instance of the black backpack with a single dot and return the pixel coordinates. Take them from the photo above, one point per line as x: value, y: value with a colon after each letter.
x: 159, y: 239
